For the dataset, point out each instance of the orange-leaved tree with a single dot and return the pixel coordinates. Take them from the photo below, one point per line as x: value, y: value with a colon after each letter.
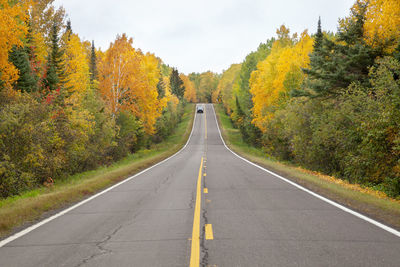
x: 118, y: 64
x: 128, y: 80
x: 13, y: 29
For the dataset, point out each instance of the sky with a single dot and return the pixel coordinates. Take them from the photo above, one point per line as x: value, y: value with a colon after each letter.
x: 202, y: 35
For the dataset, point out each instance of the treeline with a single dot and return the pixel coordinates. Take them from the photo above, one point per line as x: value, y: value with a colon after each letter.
x: 67, y: 107
x: 330, y: 101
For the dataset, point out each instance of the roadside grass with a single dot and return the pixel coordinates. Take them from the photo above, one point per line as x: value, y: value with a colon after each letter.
x: 19, y: 211
x: 373, y: 203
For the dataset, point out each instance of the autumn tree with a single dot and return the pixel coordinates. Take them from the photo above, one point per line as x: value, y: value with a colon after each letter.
x: 190, y: 91
x: 176, y: 83
x: 12, y: 31
x: 120, y: 62
x: 382, y: 24
x: 76, y: 67
x: 278, y: 74
x: 128, y: 81
x: 225, y: 87
x: 207, y: 85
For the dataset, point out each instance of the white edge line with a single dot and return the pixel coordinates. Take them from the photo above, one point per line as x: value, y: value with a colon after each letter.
x: 33, y: 227
x: 333, y: 203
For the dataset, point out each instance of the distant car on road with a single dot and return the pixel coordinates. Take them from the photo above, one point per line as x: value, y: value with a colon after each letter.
x: 200, y: 109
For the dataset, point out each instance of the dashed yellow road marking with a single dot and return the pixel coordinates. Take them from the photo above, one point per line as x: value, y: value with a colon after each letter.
x: 205, y: 190
x: 209, y: 232
x: 195, y: 251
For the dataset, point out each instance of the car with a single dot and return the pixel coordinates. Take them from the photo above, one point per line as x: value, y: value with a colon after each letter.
x: 200, y: 109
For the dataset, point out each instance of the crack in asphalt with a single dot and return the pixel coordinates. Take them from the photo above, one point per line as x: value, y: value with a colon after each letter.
x: 204, y: 249
x: 100, y: 247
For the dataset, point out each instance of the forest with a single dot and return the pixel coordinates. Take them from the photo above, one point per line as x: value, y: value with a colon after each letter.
x: 67, y: 106
x: 328, y: 102
x: 325, y: 101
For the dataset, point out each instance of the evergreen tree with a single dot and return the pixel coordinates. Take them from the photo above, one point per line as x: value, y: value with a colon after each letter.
x: 176, y: 84
x: 69, y: 27
x: 68, y: 30
x: 161, y: 88
x: 93, y: 64
x: 335, y: 65
x: 318, y: 36
x: 27, y: 81
x: 54, y: 77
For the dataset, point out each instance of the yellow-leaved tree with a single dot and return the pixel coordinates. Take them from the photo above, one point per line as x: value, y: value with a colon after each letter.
x: 128, y: 80
x: 382, y: 24
x: 143, y: 93
x: 116, y: 68
x: 190, y: 90
x: 76, y: 67
x: 13, y: 28
x: 279, y: 73
x: 225, y: 87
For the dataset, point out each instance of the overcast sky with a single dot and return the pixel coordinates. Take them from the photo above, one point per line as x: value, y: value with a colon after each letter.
x: 197, y: 36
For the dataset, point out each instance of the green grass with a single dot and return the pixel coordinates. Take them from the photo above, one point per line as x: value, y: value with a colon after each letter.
x: 380, y: 208
x: 19, y: 211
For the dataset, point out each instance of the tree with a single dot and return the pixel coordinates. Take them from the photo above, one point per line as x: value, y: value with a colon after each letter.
x: 68, y: 28
x: 225, y: 87
x: 319, y: 36
x: 128, y: 81
x: 27, y: 80
x: 176, y: 83
x: 12, y: 30
x: 120, y: 62
x: 190, y: 91
x: 382, y: 24
x: 54, y: 77
x: 275, y: 76
x: 208, y: 84
x: 76, y: 68
x: 93, y: 64
x: 338, y: 63
x: 161, y: 87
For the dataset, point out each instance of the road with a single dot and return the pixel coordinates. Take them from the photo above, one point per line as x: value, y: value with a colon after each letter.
x: 204, y: 206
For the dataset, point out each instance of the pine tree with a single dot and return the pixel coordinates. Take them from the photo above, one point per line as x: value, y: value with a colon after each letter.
x: 335, y: 65
x: 176, y: 84
x: 68, y: 30
x: 54, y: 77
x: 93, y: 64
x: 318, y: 36
x: 27, y: 81
x: 161, y: 88
x: 69, y: 27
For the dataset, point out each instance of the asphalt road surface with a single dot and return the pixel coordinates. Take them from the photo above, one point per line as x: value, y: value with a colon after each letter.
x: 204, y: 206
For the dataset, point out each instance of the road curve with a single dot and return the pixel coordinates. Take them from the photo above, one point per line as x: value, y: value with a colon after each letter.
x: 245, y: 217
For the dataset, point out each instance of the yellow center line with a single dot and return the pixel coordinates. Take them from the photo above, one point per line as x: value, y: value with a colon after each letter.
x: 209, y: 232
x: 195, y: 251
